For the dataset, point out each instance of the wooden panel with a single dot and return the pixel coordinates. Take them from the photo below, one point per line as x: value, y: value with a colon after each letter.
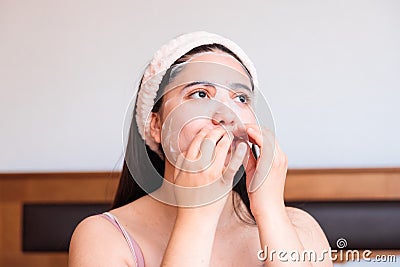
x: 301, y: 185
x: 58, y: 187
x: 343, y: 184
x: 19, y: 259
x: 313, y: 184
x: 10, y: 231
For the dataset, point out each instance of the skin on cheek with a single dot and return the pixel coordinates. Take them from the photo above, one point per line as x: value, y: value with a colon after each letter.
x: 188, y: 133
x: 178, y: 126
x: 182, y: 119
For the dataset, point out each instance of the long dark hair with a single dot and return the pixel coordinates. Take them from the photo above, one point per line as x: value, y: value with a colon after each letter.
x: 129, y: 190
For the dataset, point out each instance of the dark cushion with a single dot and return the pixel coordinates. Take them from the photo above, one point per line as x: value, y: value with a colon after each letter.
x: 364, y: 225
x: 49, y: 227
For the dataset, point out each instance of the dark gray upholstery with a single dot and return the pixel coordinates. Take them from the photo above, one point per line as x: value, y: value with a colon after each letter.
x: 49, y: 227
x: 365, y: 225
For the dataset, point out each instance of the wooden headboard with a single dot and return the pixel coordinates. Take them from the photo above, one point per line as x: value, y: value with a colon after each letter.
x: 23, y: 194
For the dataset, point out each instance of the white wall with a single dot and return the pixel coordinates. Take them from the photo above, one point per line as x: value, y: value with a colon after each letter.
x: 329, y: 69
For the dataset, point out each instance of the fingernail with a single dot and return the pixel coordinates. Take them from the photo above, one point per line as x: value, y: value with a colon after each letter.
x: 251, y: 130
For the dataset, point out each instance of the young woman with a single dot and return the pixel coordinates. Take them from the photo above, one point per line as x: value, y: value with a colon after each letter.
x: 218, y: 202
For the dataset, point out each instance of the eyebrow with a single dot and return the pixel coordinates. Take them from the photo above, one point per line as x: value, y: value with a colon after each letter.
x: 234, y: 86
x: 240, y: 85
x: 197, y: 83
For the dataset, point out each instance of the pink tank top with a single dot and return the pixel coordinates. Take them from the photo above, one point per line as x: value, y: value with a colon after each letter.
x: 133, y: 245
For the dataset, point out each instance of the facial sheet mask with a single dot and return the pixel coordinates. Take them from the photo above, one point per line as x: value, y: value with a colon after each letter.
x: 228, y: 97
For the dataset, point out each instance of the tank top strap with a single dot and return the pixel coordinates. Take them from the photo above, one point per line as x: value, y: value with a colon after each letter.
x: 133, y: 245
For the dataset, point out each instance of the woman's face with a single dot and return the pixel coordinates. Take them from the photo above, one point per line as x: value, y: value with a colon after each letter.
x: 192, y: 108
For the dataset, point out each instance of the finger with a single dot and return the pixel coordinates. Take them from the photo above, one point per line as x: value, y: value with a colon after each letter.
x: 263, y: 138
x: 255, y: 134
x: 235, y: 162
x: 194, y: 147
x: 250, y: 166
x: 208, y: 146
x: 259, y: 129
x: 179, y: 165
x: 222, y: 148
x: 263, y: 168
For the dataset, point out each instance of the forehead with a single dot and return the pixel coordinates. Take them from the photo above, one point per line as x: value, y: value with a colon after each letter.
x: 219, y: 57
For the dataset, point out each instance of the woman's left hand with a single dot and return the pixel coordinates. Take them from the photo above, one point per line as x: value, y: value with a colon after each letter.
x: 265, y: 176
x: 265, y: 181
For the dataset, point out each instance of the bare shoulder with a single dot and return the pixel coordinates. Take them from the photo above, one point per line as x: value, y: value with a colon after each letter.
x: 97, y: 242
x: 310, y: 233
x: 301, y: 218
x: 306, y: 225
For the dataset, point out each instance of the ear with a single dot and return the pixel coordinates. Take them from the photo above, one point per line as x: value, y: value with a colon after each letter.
x: 155, y: 127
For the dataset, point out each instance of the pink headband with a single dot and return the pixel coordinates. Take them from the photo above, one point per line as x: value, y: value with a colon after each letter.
x: 162, y: 60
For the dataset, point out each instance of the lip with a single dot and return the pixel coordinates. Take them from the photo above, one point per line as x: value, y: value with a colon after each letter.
x: 236, y: 140
x: 239, y: 134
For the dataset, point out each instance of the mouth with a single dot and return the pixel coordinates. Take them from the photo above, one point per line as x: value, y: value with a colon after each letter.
x: 239, y: 135
x: 236, y: 140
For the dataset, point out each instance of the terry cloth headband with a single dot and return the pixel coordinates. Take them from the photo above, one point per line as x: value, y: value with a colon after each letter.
x: 162, y: 60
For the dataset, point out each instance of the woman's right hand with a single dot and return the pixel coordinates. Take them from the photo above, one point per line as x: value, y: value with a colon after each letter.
x: 202, y: 180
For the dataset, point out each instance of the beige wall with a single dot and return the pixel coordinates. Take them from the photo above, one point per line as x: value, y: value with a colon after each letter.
x: 329, y: 70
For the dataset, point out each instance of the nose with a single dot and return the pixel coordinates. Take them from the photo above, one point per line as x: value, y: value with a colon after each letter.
x: 224, y: 116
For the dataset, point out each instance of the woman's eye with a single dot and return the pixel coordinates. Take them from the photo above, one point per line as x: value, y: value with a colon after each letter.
x: 242, y: 98
x: 199, y: 94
